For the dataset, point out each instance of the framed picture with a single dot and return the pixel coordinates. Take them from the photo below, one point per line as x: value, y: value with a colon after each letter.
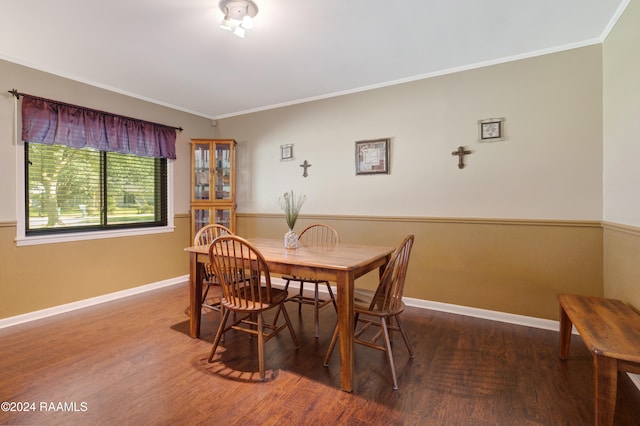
x: 286, y: 152
x: 491, y: 130
x: 372, y: 157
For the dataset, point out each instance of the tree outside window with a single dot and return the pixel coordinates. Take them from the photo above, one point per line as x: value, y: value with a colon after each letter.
x: 71, y: 189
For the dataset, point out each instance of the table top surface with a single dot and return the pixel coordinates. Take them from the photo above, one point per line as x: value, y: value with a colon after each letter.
x: 607, y: 326
x: 340, y: 256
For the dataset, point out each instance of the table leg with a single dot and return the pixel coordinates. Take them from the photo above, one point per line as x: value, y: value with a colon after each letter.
x: 606, y: 386
x: 345, y: 328
x: 195, y: 295
x: 565, y: 333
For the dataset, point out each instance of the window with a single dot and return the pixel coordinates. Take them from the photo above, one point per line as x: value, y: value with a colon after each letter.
x: 91, y: 174
x: 75, y: 190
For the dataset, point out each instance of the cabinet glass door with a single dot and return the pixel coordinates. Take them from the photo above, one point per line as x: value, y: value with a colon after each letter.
x: 223, y: 172
x: 202, y: 171
x: 203, y: 216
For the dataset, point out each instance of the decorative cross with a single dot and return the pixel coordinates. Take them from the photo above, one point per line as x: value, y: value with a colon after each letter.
x: 306, y: 165
x: 461, y: 152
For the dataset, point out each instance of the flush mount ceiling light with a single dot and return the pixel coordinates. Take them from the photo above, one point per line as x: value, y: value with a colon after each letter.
x: 238, y: 15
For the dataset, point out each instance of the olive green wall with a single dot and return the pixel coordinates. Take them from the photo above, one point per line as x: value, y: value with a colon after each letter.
x: 508, y: 266
x: 622, y: 263
x: 42, y: 276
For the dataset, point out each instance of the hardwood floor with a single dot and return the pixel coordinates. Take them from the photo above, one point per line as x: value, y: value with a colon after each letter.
x: 132, y: 362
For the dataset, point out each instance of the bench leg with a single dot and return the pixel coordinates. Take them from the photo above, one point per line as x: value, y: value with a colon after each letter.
x: 565, y: 333
x: 606, y: 386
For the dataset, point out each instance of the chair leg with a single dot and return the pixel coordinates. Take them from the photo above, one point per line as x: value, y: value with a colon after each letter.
x: 260, y: 346
x: 387, y: 345
x: 301, y: 295
x: 206, y: 291
x: 219, y: 334
x: 288, y: 321
x: 222, y: 319
x: 286, y: 285
x: 333, y: 299
x: 286, y: 288
x: 315, y: 311
x: 404, y: 336
x: 332, y: 344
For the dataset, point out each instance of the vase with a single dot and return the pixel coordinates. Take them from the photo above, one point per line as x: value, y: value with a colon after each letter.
x: 290, y: 239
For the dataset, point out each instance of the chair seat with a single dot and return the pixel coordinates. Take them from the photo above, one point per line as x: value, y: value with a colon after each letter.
x: 362, y: 302
x: 277, y: 296
x: 363, y: 296
x: 307, y: 280
x: 302, y: 299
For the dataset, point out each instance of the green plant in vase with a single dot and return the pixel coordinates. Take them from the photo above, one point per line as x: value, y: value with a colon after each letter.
x: 291, y: 205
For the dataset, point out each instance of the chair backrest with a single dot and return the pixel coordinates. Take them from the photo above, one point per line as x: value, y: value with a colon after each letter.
x: 388, y: 295
x: 242, y: 271
x: 208, y: 233
x: 319, y: 234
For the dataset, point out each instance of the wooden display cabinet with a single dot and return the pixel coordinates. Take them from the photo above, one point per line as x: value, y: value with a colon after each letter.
x: 213, y: 183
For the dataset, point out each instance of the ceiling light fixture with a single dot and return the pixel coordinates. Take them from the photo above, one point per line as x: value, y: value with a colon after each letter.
x: 238, y: 15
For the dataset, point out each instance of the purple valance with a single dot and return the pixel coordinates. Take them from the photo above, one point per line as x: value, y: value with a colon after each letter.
x: 51, y: 122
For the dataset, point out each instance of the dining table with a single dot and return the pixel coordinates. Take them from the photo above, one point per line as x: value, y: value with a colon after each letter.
x: 340, y: 263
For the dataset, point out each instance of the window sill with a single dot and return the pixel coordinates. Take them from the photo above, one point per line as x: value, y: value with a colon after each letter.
x: 82, y: 236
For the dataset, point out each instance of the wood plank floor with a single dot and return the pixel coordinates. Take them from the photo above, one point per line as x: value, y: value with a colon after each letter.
x: 132, y: 362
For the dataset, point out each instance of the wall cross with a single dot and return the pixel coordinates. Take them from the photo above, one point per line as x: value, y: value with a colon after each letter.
x: 306, y: 165
x: 461, y: 152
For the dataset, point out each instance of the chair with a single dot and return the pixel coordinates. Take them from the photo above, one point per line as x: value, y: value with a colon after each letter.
x: 380, y: 307
x: 246, y: 290
x: 319, y: 235
x: 204, y: 237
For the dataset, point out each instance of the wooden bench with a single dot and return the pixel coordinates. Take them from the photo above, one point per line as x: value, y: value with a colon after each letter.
x: 611, y: 331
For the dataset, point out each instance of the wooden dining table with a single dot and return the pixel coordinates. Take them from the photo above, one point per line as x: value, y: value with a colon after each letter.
x: 340, y: 263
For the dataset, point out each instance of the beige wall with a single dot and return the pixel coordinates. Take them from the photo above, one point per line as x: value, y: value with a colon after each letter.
x: 549, y: 168
x: 621, y: 82
x: 47, y: 275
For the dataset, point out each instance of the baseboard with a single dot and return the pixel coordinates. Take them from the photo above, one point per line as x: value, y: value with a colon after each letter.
x: 44, y: 313
x: 484, y: 314
x: 457, y: 309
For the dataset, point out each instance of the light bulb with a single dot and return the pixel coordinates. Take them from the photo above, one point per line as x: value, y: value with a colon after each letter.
x: 226, y: 23
x: 239, y: 31
x: 247, y: 22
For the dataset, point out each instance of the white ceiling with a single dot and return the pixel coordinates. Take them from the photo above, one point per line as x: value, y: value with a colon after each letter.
x: 172, y: 52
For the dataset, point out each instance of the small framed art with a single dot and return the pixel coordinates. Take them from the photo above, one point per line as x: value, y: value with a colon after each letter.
x: 286, y: 152
x: 491, y: 130
x: 372, y: 157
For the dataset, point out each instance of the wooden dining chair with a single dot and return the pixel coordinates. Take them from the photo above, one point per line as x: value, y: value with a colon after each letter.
x: 321, y: 236
x: 246, y: 290
x: 377, y: 309
x: 205, y: 237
